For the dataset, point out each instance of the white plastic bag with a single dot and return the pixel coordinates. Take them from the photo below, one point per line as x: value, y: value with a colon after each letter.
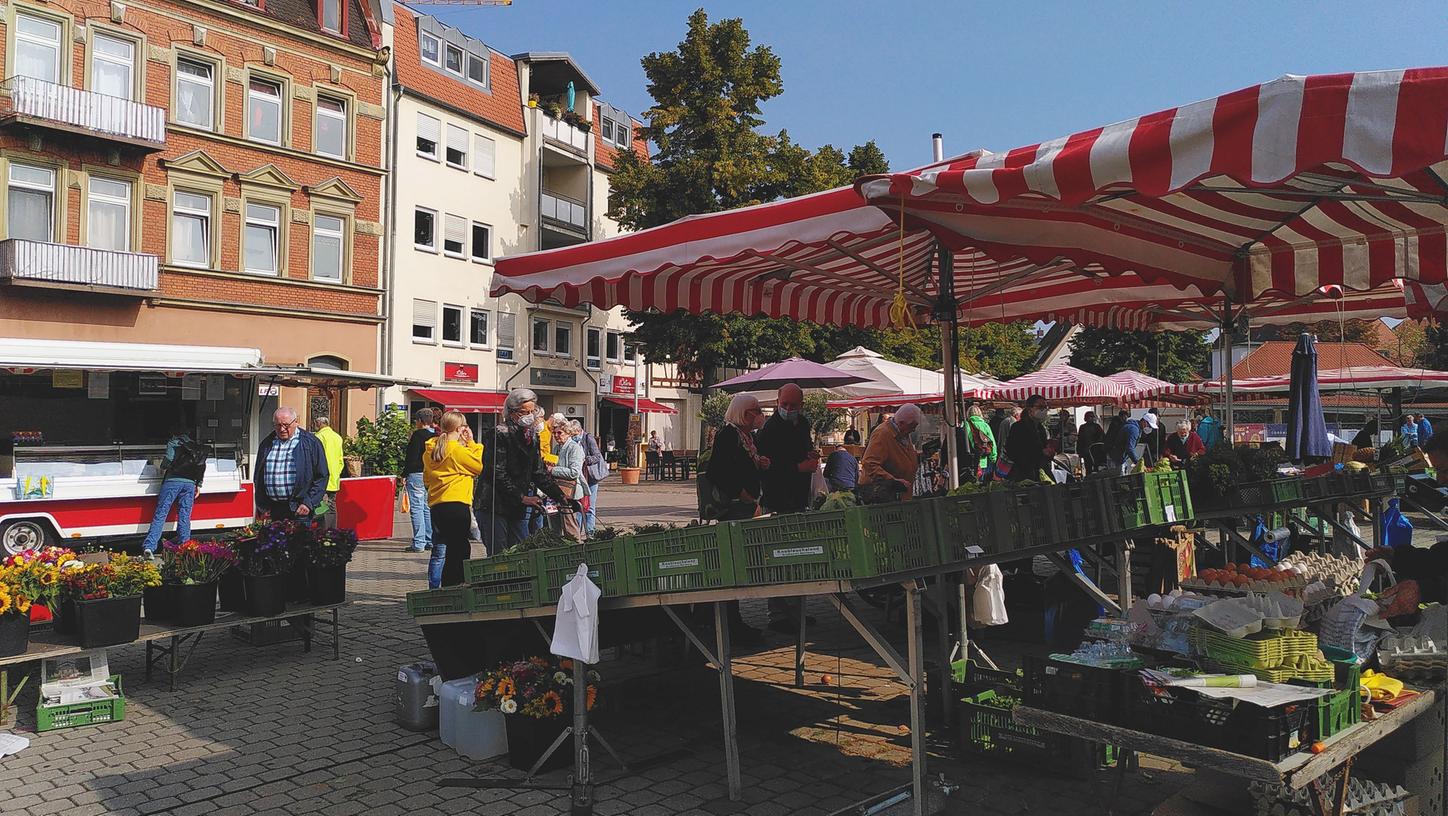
x: 988, y: 606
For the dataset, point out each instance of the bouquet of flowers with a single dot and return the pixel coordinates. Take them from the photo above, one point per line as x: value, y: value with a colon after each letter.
x: 534, y: 688
x: 195, y: 562
x: 333, y: 548
x: 32, y: 577
x: 123, y: 577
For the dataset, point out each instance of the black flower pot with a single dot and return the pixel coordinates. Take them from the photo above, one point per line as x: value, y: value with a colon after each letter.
x: 14, y: 634
x: 528, y: 738
x: 298, y: 590
x: 329, y: 584
x: 65, y: 623
x: 232, y: 591
x: 108, y: 621
x: 160, y: 603
x: 195, y: 604
x: 266, y: 595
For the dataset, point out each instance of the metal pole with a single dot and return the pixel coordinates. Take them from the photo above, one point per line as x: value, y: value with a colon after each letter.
x: 945, y: 314
x: 582, y: 790
x: 1227, y: 362
x: 726, y: 697
x: 916, y: 660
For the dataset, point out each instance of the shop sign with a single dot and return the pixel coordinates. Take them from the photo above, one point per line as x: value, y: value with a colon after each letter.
x: 460, y: 373
x: 623, y: 385
x: 67, y: 378
x: 268, y: 389
x: 553, y: 377
x: 1249, y: 432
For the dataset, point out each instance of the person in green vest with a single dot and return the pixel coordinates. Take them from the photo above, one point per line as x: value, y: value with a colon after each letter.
x: 332, y: 448
x: 982, y: 450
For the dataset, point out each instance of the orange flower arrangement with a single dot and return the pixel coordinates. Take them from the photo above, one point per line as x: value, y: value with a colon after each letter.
x: 535, y: 688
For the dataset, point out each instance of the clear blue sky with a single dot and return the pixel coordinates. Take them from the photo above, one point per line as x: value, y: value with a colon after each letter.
x: 992, y: 75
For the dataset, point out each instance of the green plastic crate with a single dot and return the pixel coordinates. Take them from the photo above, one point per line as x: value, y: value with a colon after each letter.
x: 1168, y: 499
x: 520, y: 594
x: 1027, y: 517
x: 607, y: 567
x: 1338, y: 712
x: 445, y: 601
x: 791, y: 548
x: 989, y: 729
x: 501, y: 568
x: 1084, y: 511
x: 1149, y: 499
x: 890, y: 538
x: 964, y: 523
x: 683, y: 559
x: 50, y: 718
x: 1269, y: 493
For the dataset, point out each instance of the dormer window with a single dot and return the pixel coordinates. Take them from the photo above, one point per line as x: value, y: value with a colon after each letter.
x: 329, y: 14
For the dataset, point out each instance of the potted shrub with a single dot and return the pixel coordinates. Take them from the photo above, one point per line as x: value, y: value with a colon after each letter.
x: 196, y: 568
x: 26, y: 579
x: 328, y: 555
x: 264, y: 561
x: 108, y: 599
x: 535, y: 697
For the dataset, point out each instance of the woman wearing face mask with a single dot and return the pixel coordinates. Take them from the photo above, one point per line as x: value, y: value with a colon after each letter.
x: 513, y: 472
x: 734, y: 470
x: 1184, y: 444
x: 1026, y: 444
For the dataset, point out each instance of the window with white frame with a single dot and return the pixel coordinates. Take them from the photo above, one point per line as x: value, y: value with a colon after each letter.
x: 613, y: 347
x: 37, y: 48
x: 605, y: 129
x: 429, y: 134
x: 478, y: 70
x: 593, y: 342
x: 452, y: 324
x: 505, y: 340
x: 424, y: 321
x: 328, y: 247
x: 453, y: 58
x: 424, y: 229
x: 30, y: 203
x: 195, y: 93
x: 331, y: 129
x: 616, y: 132
x: 113, y: 66
x: 261, y: 244
x: 191, y: 229
x: 454, y: 236
x: 485, y: 155
x: 481, y: 246
x: 431, y: 48
x: 563, y: 339
x: 264, y: 111
x: 478, y: 327
x: 108, y: 214
x: 331, y: 16
x: 542, y: 342
x: 457, y: 147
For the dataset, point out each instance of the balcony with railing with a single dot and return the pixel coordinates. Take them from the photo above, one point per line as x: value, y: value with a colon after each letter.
x: 37, y: 103
x: 560, y: 211
x: 66, y: 266
x: 561, y: 134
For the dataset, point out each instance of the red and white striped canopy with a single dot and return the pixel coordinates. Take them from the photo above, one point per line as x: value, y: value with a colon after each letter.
x: 1356, y: 378
x: 1132, y: 381
x: 1058, y: 383
x: 1287, y: 186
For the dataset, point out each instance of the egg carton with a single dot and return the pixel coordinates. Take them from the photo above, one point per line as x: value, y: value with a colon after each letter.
x: 1364, y: 798
x: 1289, y: 585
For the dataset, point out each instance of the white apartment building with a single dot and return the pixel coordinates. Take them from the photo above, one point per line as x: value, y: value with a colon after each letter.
x: 488, y: 162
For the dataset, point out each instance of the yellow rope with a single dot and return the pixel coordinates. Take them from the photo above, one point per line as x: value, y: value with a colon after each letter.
x: 901, y: 315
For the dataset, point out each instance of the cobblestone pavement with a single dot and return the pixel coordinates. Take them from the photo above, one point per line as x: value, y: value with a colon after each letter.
x: 269, y: 729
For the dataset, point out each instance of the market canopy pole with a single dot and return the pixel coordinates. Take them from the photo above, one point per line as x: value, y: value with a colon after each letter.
x: 946, y: 309
x: 1227, y: 362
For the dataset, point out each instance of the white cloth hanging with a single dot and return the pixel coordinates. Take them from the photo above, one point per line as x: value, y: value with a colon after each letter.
x: 575, y: 628
x: 988, y: 607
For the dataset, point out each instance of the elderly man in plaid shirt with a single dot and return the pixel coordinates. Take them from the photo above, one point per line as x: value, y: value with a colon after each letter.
x: 290, y: 472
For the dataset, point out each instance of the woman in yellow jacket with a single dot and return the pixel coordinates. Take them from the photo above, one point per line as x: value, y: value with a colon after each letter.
x: 450, y: 462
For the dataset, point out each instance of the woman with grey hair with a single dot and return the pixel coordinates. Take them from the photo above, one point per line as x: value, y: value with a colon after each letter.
x: 568, y: 473
x: 512, y: 471
x: 733, y: 472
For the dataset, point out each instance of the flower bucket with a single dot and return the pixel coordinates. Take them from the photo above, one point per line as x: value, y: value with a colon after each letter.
x: 160, y: 603
x: 65, y: 623
x: 195, y: 604
x: 266, y: 595
x: 14, y: 634
x: 109, y: 621
x: 298, y: 589
x: 328, y: 584
x: 232, y: 591
x: 529, y: 737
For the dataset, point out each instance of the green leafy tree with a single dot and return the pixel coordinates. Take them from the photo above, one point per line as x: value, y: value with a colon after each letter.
x: 1434, y: 353
x: 1003, y: 350
x: 1171, y: 356
x: 381, y: 444
x: 822, y: 418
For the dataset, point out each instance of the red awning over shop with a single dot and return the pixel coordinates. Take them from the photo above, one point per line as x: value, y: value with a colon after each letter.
x: 469, y: 402
x: 646, y: 406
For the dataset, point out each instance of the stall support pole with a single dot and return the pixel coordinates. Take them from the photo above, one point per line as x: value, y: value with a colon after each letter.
x: 946, y: 309
x: 1123, y: 574
x: 582, y: 792
x: 942, y: 645
x: 726, y: 697
x: 916, y: 656
x: 1226, y: 339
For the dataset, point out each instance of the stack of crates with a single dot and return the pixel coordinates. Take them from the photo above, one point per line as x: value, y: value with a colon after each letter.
x: 988, y: 728
x: 833, y: 545
x: 682, y: 559
x: 607, y: 567
x: 491, y: 585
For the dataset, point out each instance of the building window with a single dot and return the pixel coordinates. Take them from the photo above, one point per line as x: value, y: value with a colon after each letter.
x: 540, y: 337
x: 260, y: 244
x: 37, y: 48
x: 454, y: 235
x: 478, y: 70
x: 195, y: 93
x: 454, y: 61
x: 628, y: 352
x: 452, y: 324
x: 330, y: 15
x: 31, y: 203
x: 482, y: 243
x: 485, y: 156
x: 108, y: 214
x: 327, y: 247
x: 264, y: 111
x: 612, y: 344
x: 505, y: 340
x: 478, y: 327
x: 331, y: 132
x: 429, y: 133
x: 563, y: 339
x: 457, y: 147
x: 191, y: 229
x: 431, y: 48
x: 113, y: 66
x: 424, y: 320
x: 424, y: 229
x: 593, y: 341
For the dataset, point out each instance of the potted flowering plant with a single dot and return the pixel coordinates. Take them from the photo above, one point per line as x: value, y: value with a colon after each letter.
x: 264, y: 562
x: 231, y: 589
x: 327, y: 558
x: 194, y: 568
x: 108, y: 599
x: 303, y: 533
x: 26, y: 579
x: 536, y: 698
x: 61, y: 607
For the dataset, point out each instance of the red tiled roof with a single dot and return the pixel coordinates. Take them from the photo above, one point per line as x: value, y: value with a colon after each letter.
x: 603, y: 152
x: 502, y: 105
x: 1274, y: 358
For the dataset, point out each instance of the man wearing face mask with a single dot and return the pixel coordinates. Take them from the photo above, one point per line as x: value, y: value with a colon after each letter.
x: 512, y: 470
x: 1026, y: 444
x: 786, y: 441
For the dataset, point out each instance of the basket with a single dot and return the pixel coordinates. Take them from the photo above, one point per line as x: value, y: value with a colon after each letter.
x: 679, y: 560
x: 606, y: 567
x: 964, y: 522
x: 987, y: 728
x: 889, y: 538
x: 50, y: 718
x: 1351, y: 484
x: 444, y: 601
x: 1150, y: 499
x: 501, y: 568
x: 1168, y: 499
x: 790, y: 548
x: 1319, y: 487
x: 972, y: 678
x: 269, y: 632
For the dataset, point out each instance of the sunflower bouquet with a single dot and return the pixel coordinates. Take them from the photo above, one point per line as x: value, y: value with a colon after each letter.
x: 32, y: 577
x: 535, y: 688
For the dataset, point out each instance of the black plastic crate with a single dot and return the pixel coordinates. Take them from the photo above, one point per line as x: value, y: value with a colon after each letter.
x: 988, y: 728
x: 1272, y: 733
x: 1084, y: 511
x: 1089, y: 692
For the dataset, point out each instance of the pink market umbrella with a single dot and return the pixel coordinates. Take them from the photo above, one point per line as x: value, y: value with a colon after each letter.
x: 1061, y: 384
x: 795, y: 370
